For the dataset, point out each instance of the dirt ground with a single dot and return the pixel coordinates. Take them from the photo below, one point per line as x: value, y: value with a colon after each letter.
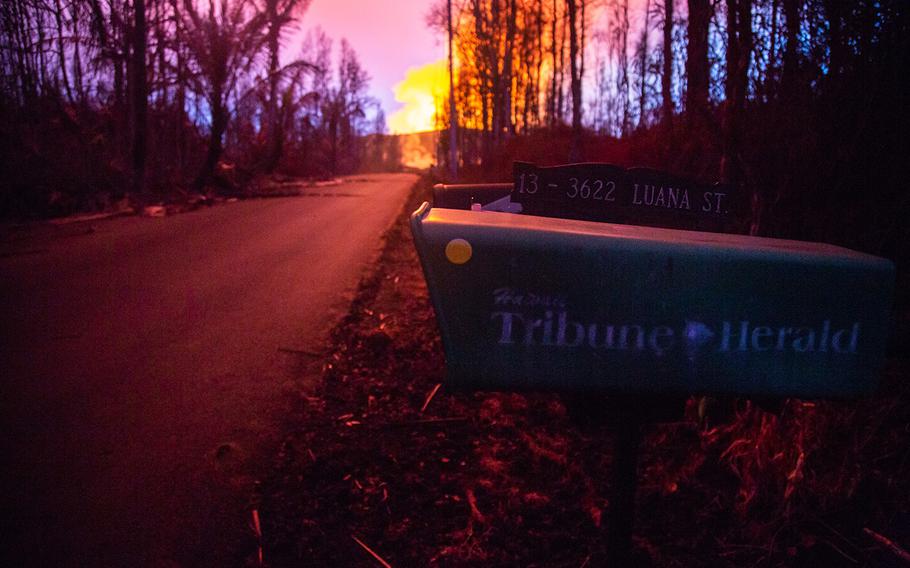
x: 384, y: 469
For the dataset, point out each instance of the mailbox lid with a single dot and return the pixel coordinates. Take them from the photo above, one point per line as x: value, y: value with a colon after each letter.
x: 546, y: 228
x: 556, y: 304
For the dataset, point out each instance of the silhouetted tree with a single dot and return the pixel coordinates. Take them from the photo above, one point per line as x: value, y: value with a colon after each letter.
x: 279, y: 14
x: 222, y: 42
x: 738, y: 58
x: 576, y: 55
x: 697, y: 70
x: 666, y: 78
x: 139, y: 88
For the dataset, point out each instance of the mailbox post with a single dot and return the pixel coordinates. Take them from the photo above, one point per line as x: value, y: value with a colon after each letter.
x: 567, y: 297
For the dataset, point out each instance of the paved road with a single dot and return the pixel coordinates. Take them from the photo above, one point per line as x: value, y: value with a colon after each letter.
x: 143, y: 368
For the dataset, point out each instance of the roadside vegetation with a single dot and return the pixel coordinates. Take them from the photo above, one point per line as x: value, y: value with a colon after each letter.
x: 104, y: 104
x: 382, y: 460
x: 799, y: 104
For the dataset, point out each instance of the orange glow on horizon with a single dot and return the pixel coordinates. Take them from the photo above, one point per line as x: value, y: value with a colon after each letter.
x: 423, y: 90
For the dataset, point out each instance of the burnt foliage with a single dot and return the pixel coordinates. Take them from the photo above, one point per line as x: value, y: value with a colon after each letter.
x: 163, y: 100
x: 422, y: 476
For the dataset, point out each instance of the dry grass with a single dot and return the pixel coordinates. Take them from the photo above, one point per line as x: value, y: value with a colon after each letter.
x: 432, y: 477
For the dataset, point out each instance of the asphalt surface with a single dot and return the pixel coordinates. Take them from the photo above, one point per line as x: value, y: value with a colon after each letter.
x: 147, y: 366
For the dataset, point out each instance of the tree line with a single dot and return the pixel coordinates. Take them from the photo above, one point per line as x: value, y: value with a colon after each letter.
x: 104, y: 97
x: 800, y: 103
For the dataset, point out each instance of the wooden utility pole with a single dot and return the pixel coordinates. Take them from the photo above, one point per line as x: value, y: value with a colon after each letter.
x: 453, y: 116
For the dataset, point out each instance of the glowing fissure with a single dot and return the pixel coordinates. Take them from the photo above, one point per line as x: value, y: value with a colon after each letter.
x: 422, y: 92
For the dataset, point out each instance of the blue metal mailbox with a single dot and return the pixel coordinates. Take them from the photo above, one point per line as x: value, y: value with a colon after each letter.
x: 533, y: 303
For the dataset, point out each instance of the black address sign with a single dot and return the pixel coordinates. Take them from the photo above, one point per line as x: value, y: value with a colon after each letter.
x: 638, y: 196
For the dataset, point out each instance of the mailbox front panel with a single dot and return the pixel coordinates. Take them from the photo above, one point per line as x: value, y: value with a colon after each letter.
x: 527, y: 303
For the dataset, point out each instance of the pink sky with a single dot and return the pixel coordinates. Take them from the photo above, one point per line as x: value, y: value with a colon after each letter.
x: 389, y: 36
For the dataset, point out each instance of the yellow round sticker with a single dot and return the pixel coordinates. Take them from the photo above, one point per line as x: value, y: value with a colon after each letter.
x: 458, y: 251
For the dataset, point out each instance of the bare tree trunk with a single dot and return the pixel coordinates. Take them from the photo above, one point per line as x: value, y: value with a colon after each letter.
x: 494, y: 61
x: 275, y: 134
x: 215, y: 147
x: 509, y: 125
x: 539, y: 43
x: 575, y: 150
x: 697, y: 60
x: 26, y: 77
x: 551, y: 103
x: 560, y: 94
x: 124, y: 111
x: 453, y: 116
x: 624, y: 67
x: 770, y: 75
x: 333, y: 139
x: 739, y: 54
x: 117, y: 63
x: 791, y: 54
x: 181, y: 85
x: 160, y: 33
x: 643, y: 65
x: 666, y: 79
x: 139, y: 90
x: 838, y: 50
x: 582, y: 38
x: 61, y: 51
x: 42, y: 55
x: 526, y: 73
x: 484, y: 71
x: 78, y: 83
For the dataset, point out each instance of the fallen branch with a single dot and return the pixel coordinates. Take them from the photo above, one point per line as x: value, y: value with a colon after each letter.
x: 472, y: 503
x: 373, y: 554
x: 892, y: 546
x: 430, y: 397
